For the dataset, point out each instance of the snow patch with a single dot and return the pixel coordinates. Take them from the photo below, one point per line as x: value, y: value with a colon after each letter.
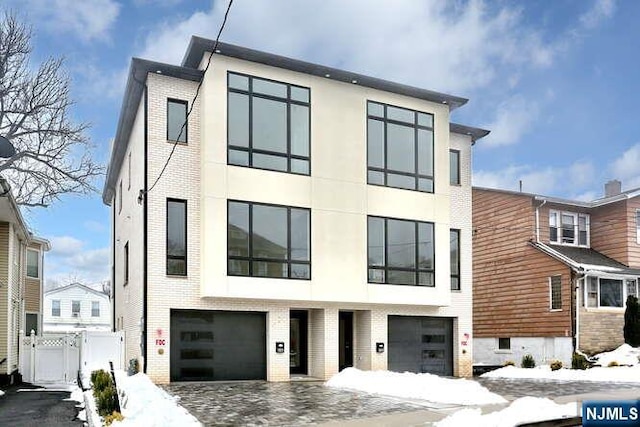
x: 1, y: 393
x: 623, y: 355
x: 415, y: 386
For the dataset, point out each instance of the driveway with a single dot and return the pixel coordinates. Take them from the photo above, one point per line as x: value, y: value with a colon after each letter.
x: 26, y: 405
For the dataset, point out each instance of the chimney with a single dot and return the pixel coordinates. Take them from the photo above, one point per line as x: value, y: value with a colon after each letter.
x: 612, y: 188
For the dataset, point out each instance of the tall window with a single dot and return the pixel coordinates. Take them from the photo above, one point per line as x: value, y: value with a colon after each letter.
x: 129, y: 172
x: 55, y: 308
x: 268, y: 241
x: 454, y: 244
x: 126, y: 263
x: 555, y: 292
x: 120, y: 197
x: 176, y: 237
x: 638, y: 225
x: 75, y: 308
x: 176, y: 118
x: 33, y: 263
x: 569, y: 228
x: 401, y: 252
x: 454, y: 167
x: 602, y: 292
x: 95, y: 308
x: 268, y: 124
x: 399, y: 147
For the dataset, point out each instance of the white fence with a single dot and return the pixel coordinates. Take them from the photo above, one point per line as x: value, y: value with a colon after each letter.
x: 57, y: 358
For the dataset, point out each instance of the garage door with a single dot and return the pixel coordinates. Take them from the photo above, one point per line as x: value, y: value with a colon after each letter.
x: 218, y: 345
x: 421, y: 344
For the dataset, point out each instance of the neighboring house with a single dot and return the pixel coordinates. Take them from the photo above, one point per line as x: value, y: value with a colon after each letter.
x: 552, y: 275
x: 76, y: 307
x: 34, y: 285
x: 309, y: 219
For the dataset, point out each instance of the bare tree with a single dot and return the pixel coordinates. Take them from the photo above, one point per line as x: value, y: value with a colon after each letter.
x: 52, y: 151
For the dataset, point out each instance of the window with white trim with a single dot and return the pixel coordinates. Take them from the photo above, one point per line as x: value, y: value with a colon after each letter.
x: 601, y: 292
x: 569, y: 228
x: 638, y: 225
x: 555, y: 292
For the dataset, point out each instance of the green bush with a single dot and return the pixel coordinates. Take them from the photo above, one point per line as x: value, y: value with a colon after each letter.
x: 578, y: 361
x: 528, y: 361
x: 555, y: 365
x: 509, y: 363
x: 100, y: 379
x: 106, y: 400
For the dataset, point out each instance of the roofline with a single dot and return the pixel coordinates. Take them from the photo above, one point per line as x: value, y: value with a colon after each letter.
x: 557, y: 255
x: 72, y: 285
x: 136, y: 82
x: 46, y: 245
x: 473, y: 132
x: 500, y: 190
x: 198, y: 46
x: 5, y: 187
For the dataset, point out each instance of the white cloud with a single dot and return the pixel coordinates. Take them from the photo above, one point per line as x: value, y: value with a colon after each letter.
x: 95, y: 226
x: 512, y: 120
x: 69, y: 258
x: 88, y: 20
x: 65, y: 245
x: 600, y: 11
x: 627, y: 167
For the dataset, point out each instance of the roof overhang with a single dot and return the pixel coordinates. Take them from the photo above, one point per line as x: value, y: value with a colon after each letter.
x: 10, y: 212
x: 473, y: 132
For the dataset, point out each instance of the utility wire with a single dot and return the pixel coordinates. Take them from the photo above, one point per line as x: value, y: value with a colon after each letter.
x: 193, y: 102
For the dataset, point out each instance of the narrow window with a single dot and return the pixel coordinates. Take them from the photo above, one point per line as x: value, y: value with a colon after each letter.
x: 31, y: 323
x: 553, y: 226
x: 504, y: 343
x: 583, y: 227
x: 638, y: 226
x: 592, y: 291
x: 33, y: 263
x: 95, y: 308
x: 454, y: 243
x: 632, y: 288
x: 129, y: 172
x: 75, y: 308
x: 120, y: 197
x: 176, y: 237
x: 126, y: 263
x: 454, y: 167
x: 555, y: 292
x: 568, y: 228
x: 55, y: 308
x: 176, y: 120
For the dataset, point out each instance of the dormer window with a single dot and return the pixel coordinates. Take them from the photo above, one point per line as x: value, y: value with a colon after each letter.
x: 569, y: 228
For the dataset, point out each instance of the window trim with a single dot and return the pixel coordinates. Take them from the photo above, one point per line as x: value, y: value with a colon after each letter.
x: 59, y: 308
x: 550, y: 279
x: 126, y: 263
x: 186, y: 239
x: 417, y: 270
x: 576, y: 228
x: 625, y: 292
x: 79, y: 308
x: 287, y: 101
x: 37, y: 252
x: 250, y: 259
x: 93, y: 310
x: 455, y: 274
x: 503, y: 350
x: 415, y: 126
x: 458, y: 182
x: 186, y: 126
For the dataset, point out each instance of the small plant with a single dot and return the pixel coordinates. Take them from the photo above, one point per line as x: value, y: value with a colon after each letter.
x: 100, y: 379
x: 509, y: 363
x: 613, y: 364
x: 115, y: 416
x: 579, y: 361
x: 528, y: 361
x: 106, y: 400
x: 556, y: 365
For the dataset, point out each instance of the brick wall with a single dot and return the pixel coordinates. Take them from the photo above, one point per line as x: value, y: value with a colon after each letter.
x: 600, y: 330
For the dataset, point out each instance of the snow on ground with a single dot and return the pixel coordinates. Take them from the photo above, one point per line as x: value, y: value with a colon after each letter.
x: 1, y: 393
x: 523, y: 410
x: 415, y: 386
x: 623, y: 355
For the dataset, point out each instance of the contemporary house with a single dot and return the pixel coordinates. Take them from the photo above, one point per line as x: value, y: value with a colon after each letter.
x: 550, y: 275
x: 305, y: 219
x: 76, y: 307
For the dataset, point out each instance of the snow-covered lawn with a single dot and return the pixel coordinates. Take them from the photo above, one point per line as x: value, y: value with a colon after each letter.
x: 415, y: 386
x: 623, y: 355
x: 523, y: 410
x: 1, y: 393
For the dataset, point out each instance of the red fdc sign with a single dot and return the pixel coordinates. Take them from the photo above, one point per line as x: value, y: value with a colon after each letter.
x: 160, y: 342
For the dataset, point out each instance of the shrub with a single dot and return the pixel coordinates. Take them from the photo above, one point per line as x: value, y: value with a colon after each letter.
x: 613, y: 364
x: 578, y: 361
x: 115, y: 416
x: 556, y: 364
x: 134, y: 367
x: 509, y: 363
x: 528, y: 361
x: 631, y: 328
x: 106, y: 400
x: 100, y: 379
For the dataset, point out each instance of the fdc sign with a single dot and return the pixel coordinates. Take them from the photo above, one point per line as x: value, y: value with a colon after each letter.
x: 609, y: 413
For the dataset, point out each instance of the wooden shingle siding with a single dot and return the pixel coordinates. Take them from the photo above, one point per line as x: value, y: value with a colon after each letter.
x: 511, y: 278
x: 633, y: 247
x: 609, y: 231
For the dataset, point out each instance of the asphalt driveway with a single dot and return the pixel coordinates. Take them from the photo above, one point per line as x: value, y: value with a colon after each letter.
x: 26, y: 405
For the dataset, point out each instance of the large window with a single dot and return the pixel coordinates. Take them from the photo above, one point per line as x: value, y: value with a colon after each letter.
x: 399, y: 147
x: 95, y: 308
x: 268, y: 124
x: 75, y: 308
x: 555, y: 292
x: 55, y: 308
x: 268, y: 241
x: 454, y: 167
x: 454, y: 245
x: 569, y: 228
x: 401, y: 252
x: 33, y: 263
x: 601, y: 292
x: 176, y: 237
x: 176, y: 118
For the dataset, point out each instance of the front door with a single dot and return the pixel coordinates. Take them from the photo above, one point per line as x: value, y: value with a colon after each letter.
x: 298, y: 342
x: 345, y: 339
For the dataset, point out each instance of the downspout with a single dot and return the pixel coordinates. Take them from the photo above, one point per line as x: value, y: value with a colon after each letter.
x: 577, y: 314
x: 538, y: 220
x: 145, y: 210
x: 113, y: 266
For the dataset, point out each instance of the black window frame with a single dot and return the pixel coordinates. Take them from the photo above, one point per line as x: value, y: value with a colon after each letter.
x: 186, y: 239
x: 288, y: 102
x: 251, y: 259
x: 456, y: 274
x: 458, y: 180
x: 126, y: 263
x: 416, y: 126
x: 504, y: 343
x: 386, y: 268
x: 186, y: 119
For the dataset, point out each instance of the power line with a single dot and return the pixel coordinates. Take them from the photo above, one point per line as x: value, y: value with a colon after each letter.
x: 193, y: 102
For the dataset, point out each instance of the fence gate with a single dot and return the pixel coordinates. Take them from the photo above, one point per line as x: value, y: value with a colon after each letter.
x: 51, y: 358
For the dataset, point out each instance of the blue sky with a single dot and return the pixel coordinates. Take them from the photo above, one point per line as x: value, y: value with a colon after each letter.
x: 553, y: 81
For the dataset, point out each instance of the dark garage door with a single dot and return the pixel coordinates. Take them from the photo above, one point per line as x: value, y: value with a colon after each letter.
x: 421, y: 344
x: 218, y: 345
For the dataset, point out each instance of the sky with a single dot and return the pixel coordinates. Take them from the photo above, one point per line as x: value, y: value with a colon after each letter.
x: 553, y: 81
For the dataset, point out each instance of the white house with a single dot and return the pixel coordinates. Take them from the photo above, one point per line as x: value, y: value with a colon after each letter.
x: 76, y: 307
x: 308, y: 219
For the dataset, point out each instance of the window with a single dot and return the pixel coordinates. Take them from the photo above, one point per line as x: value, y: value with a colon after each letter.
x: 555, y: 292
x: 454, y: 167
x: 268, y: 241
x: 401, y: 252
x: 569, y: 228
x: 129, y: 172
x: 31, y: 323
x: 75, y: 308
x: 399, y: 147
x: 602, y: 292
x: 126, y: 263
x: 120, y: 197
x: 33, y: 263
x: 55, y: 308
x: 638, y: 225
x: 95, y: 308
x: 176, y: 237
x: 454, y: 244
x: 268, y: 124
x: 504, y: 343
x: 176, y: 119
